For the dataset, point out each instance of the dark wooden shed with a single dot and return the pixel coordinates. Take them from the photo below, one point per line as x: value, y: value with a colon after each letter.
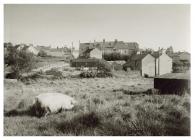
x: 84, y: 62
x: 173, y: 83
x: 91, y: 63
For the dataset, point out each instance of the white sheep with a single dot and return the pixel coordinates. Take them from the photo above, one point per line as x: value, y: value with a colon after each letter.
x: 47, y: 103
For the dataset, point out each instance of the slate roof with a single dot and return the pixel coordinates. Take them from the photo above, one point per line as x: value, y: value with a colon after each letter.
x: 114, y: 44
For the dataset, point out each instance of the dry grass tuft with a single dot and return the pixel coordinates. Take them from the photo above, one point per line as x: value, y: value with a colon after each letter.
x: 100, y: 111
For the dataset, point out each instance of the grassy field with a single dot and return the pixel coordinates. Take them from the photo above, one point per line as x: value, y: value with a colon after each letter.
x: 103, y: 108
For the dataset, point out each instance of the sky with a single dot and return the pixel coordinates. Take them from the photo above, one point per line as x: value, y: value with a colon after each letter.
x: 151, y: 26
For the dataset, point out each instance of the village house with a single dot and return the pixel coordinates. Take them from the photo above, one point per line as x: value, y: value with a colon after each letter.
x: 29, y: 48
x: 145, y: 63
x: 56, y: 52
x: 163, y: 64
x: 32, y: 49
x: 84, y: 47
x: 95, y: 53
x: 119, y: 48
x: 150, y: 64
x: 75, y: 53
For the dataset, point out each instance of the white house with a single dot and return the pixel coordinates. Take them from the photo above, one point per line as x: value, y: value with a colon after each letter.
x: 148, y: 66
x: 33, y: 50
x: 163, y: 64
x: 29, y: 48
x: 96, y: 53
x: 75, y: 53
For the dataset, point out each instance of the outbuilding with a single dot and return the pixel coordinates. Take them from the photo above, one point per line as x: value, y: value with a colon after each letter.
x: 173, y: 83
x: 96, y: 53
x: 143, y: 62
x: 163, y: 64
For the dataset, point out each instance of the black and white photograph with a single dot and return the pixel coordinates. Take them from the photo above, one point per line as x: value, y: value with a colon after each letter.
x: 96, y: 70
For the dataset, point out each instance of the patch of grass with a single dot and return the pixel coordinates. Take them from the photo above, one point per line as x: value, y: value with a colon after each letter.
x: 55, y: 73
x: 107, y: 112
x: 79, y: 124
x: 97, y: 101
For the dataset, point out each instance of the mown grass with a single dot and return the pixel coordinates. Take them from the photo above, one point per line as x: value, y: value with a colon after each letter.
x: 103, y: 109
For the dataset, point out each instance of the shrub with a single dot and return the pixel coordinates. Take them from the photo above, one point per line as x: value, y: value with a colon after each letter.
x: 92, y: 74
x: 34, y: 76
x: 104, y: 66
x: 117, y: 67
x: 20, y: 61
x: 56, y: 74
x: 42, y: 53
x: 80, y: 124
x: 88, y: 74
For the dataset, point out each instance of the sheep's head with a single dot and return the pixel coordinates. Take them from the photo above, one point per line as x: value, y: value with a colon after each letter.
x: 37, y: 110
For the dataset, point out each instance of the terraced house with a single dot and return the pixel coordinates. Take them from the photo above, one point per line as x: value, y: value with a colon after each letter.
x: 111, y: 50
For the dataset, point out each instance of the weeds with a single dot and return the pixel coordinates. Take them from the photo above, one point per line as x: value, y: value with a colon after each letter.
x: 107, y: 112
x: 79, y: 124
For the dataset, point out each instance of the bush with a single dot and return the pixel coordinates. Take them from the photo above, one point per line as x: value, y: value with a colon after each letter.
x: 81, y: 124
x: 92, y: 74
x: 42, y: 53
x: 20, y: 61
x: 181, y: 66
x: 88, y: 74
x: 56, y: 74
x: 117, y: 66
x: 104, y: 66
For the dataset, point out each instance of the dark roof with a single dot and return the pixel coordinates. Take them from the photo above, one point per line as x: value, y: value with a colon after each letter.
x: 88, y: 50
x: 185, y: 76
x: 92, y: 62
x: 113, y: 44
x: 84, y: 62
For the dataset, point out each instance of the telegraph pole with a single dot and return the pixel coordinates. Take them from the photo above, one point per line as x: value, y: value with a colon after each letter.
x: 159, y: 61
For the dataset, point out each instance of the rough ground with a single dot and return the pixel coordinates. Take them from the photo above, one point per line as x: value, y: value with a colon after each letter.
x: 103, y: 108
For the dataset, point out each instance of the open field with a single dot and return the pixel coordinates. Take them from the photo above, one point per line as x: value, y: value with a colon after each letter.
x: 103, y: 108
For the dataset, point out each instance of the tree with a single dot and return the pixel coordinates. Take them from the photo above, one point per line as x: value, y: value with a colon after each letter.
x: 169, y: 50
x: 19, y: 61
x: 42, y: 53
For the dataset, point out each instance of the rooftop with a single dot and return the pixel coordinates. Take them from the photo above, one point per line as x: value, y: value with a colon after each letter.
x: 185, y: 76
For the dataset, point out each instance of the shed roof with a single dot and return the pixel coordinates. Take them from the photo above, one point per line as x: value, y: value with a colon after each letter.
x: 185, y: 76
x: 84, y: 62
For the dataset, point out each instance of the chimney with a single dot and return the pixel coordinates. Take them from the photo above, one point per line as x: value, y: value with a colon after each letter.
x: 115, y: 40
